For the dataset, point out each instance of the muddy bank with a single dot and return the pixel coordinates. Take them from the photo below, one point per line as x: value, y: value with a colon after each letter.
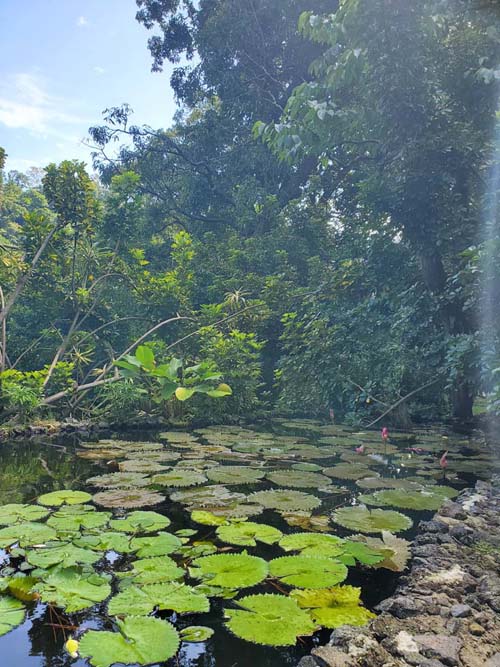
x: 446, y: 610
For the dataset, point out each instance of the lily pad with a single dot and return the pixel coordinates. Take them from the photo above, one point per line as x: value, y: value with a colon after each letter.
x: 230, y: 570
x: 248, y: 533
x: 64, y: 555
x: 11, y: 614
x: 333, y: 607
x: 140, y: 466
x: 71, y: 519
x: 196, y: 633
x: 308, y: 572
x: 155, y: 545
x: 74, y: 589
x: 140, y: 641
x: 272, y: 620
x: 27, y: 534
x: 141, y: 601
x: 430, y: 498
x: 140, y: 522
x: 106, y: 541
x: 235, y: 475
x: 208, y: 518
x: 313, y: 544
x: 206, y: 496
x: 16, y: 513
x: 179, y: 477
x: 361, y: 519
x: 153, y: 571
x: 284, y: 499
x: 119, y: 479
x: 64, y: 497
x: 307, y: 521
x: 128, y: 498
x: 395, y: 550
x: 298, y: 479
x: 349, y: 471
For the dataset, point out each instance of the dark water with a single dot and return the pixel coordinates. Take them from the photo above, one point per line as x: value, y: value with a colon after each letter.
x: 29, y: 468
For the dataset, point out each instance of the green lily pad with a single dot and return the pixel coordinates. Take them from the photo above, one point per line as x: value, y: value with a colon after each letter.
x: 11, y: 614
x: 27, y: 534
x: 349, y: 471
x: 106, y: 541
x: 248, y: 533
x: 119, y: 479
x: 16, y: 513
x: 308, y: 571
x: 179, y: 477
x: 208, y: 518
x: 284, y: 499
x: 155, y: 545
x: 235, y: 475
x: 272, y: 620
x: 140, y: 466
x: 206, y: 496
x: 127, y: 498
x: 307, y: 521
x: 298, y: 479
x: 230, y: 570
x: 64, y: 555
x: 153, y: 571
x: 140, y: 522
x: 74, y: 589
x: 71, y: 519
x: 308, y: 467
x: 196, y: 633
x: 396, y: 551
x: 140, y: 641
x: 140, y: 601
x: 313, y: 544
x: 333, y: 607
x: 64, y: 497
x: 361, y: 519
x: 424, y: 499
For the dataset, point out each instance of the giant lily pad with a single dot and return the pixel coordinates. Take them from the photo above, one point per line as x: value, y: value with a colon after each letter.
x: 119, y: 479
x: 284, y: 499
x: 423, y: 499
x: 361, y: 519
x: 235, y: 475
x: 349, y: 471
x: 230, y: 570
x: 74, y: 589
x: 153, y: 571
x: 248, y: 533
x: 140, y: 522
x: 298, y: 479
x: 312, y: 544
x: 128, y: 498
x: 179, y: 477
x: 155, y: 545
x: 70, y: 519
x: 64, y: 555
x: 206, y: 496
x: 11, y: 614
x: 141, y: 601
x: 26, y: 534
x: 64, y: 497
x: 273, y: 620
x: 333, y: 607
x: 308, y: 571
x: 140, y: 466
x: 140, y: 641
x: 106, y: 541
x: 307, y: 521
x: 16, y: 513
x: 395, y: 550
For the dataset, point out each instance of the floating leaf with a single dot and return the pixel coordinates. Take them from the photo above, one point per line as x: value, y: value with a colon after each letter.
x: 309, y: 467
x: 308, y: 572
x: 119, y: 479
x: 140, y: 522
x: 248, y: 533
x: 140, y: 641
x: 140, y: 466
x: 235, y: 475
x: 196, y: 633
x: 361, y: 519
x: 157, y: 545
x: 349, y: 471
x: 106, y: 541
x: 64, y: 497
x: 273, y: 620
x: 141, y: 601
x: 179, y: 477
x: 307, y: 521
x: 65, y: 555
x: 313, y: 544
x: 11, y: 614
x: 127, y: 498
x: 298, y: 478
x: 333, y: 607
x: 21, y: 588
x: 230, y: 570
x: 26, y: 534
x: 153, y: 571
x: 395, y: 550
x: 207, y: 518
x: 207, y: 496
x: 16, y: 513
x: 71, y: 519
x: 74, y: 589
x: 284, y: 499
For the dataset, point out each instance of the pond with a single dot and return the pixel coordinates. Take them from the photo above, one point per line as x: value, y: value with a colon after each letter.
x: 317, y: 515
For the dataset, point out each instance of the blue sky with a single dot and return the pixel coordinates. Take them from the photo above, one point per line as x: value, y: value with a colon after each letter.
x: 62, y: 62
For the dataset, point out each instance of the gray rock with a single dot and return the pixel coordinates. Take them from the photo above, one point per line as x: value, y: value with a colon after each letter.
x: 307, y: 661
x: 494, y: 661
x: 460, y: 610
x: 401, y: 606
x: 442, y: 647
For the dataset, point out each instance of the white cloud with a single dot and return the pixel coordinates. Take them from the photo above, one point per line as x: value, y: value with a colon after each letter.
x: 82, y: 21
x: 26, y: 104
x: 99, y: 70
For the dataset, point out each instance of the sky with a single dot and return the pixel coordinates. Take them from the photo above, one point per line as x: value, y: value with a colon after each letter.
x: 62, y: 62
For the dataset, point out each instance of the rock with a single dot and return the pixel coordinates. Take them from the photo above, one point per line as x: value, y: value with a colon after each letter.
x: 328, y: 656
x: 476, y: 629
x: 307, y: 661
x: 401, y: 607
x: 442, y: 647
x: 460, y: 610
x: 463, y: 534
x: 494, y: 661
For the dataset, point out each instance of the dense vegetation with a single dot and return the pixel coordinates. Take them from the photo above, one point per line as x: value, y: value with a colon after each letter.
x: 311, y: 231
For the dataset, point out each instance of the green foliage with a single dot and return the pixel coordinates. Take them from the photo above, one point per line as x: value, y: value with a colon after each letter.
x: 74, y: 589
x: 308, y: 571
x: 333, y: 607
x: 371, y: 521
x: 230, y: 570
x: 248, y: 533
x: 12, y: 614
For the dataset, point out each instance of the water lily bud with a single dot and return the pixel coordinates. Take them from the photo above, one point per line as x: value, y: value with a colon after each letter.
x: 71, y: 647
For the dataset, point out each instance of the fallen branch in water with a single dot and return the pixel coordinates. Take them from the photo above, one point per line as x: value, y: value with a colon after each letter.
x: 402, y: 400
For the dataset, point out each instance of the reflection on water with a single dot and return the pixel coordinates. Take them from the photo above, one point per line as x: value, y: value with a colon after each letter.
x: 30, y: 468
